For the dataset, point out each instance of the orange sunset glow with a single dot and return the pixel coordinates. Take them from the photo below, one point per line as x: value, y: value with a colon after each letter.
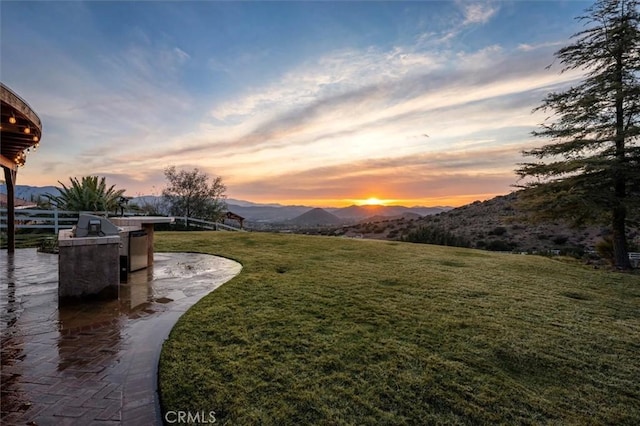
x: 416, y: 113
x: 452, y: 201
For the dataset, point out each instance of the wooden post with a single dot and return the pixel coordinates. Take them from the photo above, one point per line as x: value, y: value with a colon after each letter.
x: 10, y: 179
x: 56, y: 223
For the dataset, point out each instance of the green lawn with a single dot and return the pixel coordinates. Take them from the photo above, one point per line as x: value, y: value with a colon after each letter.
x: 319, y: 330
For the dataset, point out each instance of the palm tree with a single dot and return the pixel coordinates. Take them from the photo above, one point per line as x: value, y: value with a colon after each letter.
x: 90, y: 194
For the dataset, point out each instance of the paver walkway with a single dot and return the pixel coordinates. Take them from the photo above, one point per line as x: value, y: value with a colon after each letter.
x: 92, y: 363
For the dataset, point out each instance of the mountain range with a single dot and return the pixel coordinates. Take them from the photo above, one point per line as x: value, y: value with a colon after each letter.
x: 31, y: 193
x: 296, y: 215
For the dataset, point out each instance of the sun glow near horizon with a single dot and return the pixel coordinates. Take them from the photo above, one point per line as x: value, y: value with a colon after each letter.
x: 373, y: 201
x: 451, y: 201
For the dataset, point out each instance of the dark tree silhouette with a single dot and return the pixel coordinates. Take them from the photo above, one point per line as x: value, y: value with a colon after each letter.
x: 591, y: 168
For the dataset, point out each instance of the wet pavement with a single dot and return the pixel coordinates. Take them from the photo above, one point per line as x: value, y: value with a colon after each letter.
x: 93, y: 362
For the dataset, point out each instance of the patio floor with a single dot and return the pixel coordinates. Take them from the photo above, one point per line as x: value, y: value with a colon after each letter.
x: 93, y: 362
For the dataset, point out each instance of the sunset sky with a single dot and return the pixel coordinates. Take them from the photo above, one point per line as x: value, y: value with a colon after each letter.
x: 315, y: 103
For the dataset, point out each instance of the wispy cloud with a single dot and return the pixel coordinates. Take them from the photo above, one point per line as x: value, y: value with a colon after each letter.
x: 428, y: 116
x: 434, y: 175
x: 529, y: 47
x: 364, y: 123
x: 406, y: 98
x: 330, y: 75
x: 124, y: 100
x: 471, y: 14
x: 477, y: 13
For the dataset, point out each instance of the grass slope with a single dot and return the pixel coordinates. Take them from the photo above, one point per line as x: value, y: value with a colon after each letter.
x: 332, y: 331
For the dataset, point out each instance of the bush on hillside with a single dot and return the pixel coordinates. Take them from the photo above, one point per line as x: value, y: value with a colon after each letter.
x: 604, y: 248
x: 560, y: 239
x: 500, y: 245
x: 435, y: 235
x: 498, y: 230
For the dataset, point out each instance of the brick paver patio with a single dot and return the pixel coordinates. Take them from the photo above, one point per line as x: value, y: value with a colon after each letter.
x: 92, y: 363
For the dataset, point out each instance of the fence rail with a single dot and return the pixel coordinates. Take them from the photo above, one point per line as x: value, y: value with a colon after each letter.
x: 64, y: 219
x: 205, y: 224
x: 43, y: 219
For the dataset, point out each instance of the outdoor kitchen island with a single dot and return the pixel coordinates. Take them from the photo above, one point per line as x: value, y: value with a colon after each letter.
x: 99, y: 253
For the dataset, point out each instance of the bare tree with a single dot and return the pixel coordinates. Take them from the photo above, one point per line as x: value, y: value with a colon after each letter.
x: 191, y: 194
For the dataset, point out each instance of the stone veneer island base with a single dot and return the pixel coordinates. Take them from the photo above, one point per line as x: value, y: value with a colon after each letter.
x: 88, y: 266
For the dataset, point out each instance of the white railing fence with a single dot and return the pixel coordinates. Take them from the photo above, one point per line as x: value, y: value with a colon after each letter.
x: 43, y: 219
x: 205, y: 224
x: 56, y: 220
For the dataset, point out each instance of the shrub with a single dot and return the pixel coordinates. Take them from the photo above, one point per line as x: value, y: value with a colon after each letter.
x: 500, y: 245
x: 498, y: 231
x: 577, y: 252
x: 435, y: 235
x: 604, y: 247
x: 393, y: 233
x: 560, y: 239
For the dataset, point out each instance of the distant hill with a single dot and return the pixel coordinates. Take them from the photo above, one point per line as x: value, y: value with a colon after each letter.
x: 495, y: 224
x: 265, y: 213
x: 283, y: 214
x: 316, y: 217
x: 245, y: 203
x: 18, y: 202
x: 380, y: 218
x: 362, y: 212
x: 31, y: 193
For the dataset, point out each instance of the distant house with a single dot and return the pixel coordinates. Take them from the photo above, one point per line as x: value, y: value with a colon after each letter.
x: 19, y: 203
x: 234, y: 217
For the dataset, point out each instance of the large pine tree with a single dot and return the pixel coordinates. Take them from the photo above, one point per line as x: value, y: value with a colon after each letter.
x: 590, y: 171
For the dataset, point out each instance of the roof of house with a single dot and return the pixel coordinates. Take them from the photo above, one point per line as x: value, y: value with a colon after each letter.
x: 19, y: 202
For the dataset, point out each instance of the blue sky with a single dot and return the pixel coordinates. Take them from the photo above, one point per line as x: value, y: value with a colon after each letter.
x: 318, y: 103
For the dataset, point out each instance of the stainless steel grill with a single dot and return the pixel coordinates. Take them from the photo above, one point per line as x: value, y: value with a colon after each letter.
x: 138, y: 256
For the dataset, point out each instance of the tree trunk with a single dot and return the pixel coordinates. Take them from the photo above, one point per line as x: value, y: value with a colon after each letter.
x: 620, y: 253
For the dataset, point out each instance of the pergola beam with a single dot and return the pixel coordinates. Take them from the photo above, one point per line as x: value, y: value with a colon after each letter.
x: 8, y: 164
x: 20, y: 131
